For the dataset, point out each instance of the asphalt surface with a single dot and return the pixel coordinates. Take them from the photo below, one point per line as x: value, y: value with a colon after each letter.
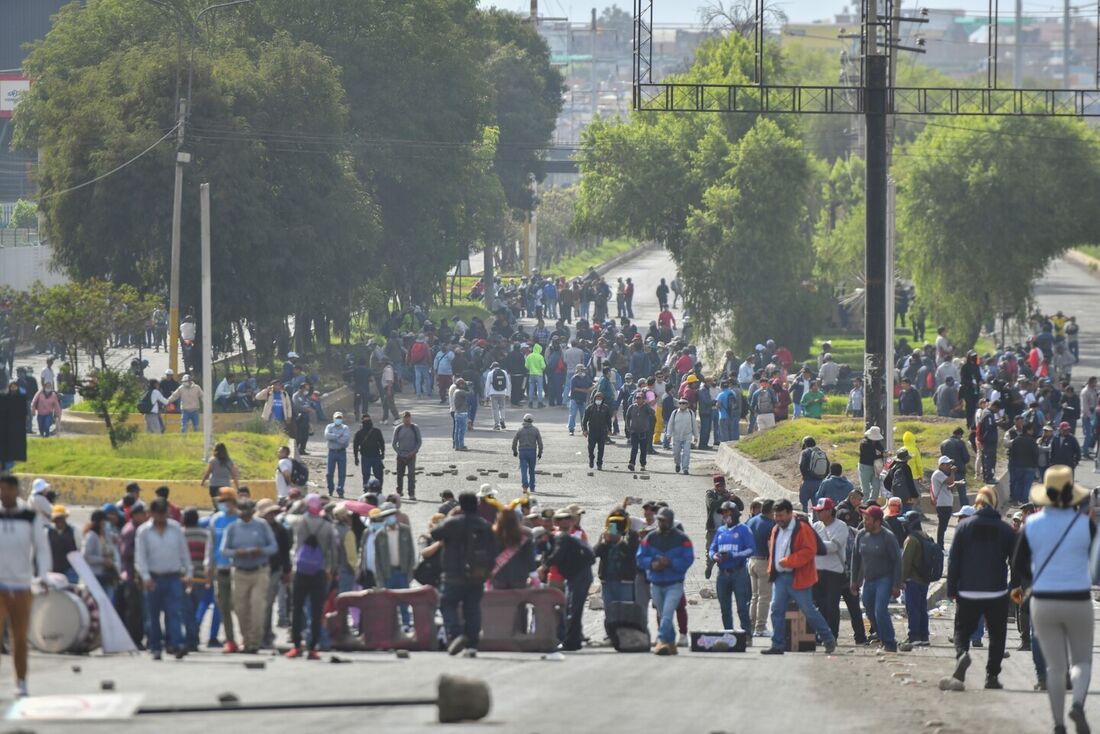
x: 854, y: 690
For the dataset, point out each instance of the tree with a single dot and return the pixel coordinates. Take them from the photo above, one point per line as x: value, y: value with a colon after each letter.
x: 748, y: 249
x: 111, y: 392
x: 985, y: 208
x: 24, y: 215
x: 739, y: 16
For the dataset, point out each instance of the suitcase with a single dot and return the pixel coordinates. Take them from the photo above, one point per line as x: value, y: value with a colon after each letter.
x: 625, y: 624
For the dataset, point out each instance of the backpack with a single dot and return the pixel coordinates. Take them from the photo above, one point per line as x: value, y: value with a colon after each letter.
x: 819, y: 462
x: 764, y: 402
x: 419, y: 353
x: 555, y: 363
x: 310, y: 559
x: 932, y: 556
x: 478, y: 558
x: 500, y: 379
x: 299, y: 473
x: 145, y: 405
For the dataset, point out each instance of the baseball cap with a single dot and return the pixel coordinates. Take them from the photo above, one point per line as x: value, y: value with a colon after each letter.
x: 873, y: 511
x: 337, y: 414
x: 946, y: 460
x: 1063, y: 425
x: 666, y: 513
x: 826, y: 503
x: 965, y: 511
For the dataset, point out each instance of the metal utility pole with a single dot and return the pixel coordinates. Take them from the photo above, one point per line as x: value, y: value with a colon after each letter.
x: 1018, y: 57
x: 875, y: 326
x: 593, y: 81
x: 207, y: 349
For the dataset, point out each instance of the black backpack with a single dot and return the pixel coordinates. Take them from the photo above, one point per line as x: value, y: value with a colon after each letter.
x: 500, y: 379
x: 145, y: 405
x: 478, y: 556
x: 299, y: 473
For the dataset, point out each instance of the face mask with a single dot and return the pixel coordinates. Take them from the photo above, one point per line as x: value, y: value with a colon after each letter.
x: 391, y: 520
x: 375, y: 525
x: 599, y: 402
x: 221, y: 507
x: 338, y: 421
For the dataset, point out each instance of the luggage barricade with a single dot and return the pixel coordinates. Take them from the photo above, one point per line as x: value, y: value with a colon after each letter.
x: 379, y: 628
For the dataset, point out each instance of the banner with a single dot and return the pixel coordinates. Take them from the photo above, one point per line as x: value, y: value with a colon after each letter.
x: 111, y: 629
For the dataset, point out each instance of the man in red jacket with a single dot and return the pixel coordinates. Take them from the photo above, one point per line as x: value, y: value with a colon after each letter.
x: 793, y: 572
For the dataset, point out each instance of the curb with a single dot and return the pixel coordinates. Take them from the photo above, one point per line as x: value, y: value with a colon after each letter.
x: 625, y: 257
x: 742, y: 470
x: 74, y: 490
x: 1080, y: 259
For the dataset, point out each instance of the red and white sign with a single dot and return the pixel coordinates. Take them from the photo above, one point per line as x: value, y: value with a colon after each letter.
x: 11, y: 86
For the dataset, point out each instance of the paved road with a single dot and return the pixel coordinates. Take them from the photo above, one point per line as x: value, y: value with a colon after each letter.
x: 596, y: 689
x: 1075, y: 291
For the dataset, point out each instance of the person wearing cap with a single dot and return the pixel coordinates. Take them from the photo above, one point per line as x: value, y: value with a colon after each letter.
x: 977, y: 580
x: 638, y: 426
x: 831, y: 579
x: 368, y: 449
x: 876, y: 567
x: 406, y: 444
x: 527, y: 446
x: 217, y: 565
x: 163, y: 564
x: 666, y: 554
x: 1053, y: 559
x: 872, y: 453
x: 572, y: 557
x: 683, y: 429
x: 899, y: 479
x: 914, y: 574
x: 62, y: 542
x: 616, y: 552
x: 731, y: 548
x: 1064, y: 448
x: 394, y: 555
x: 596, y: 427
x: 792, y: 549
x: 715, y: 497
x: 278, y: 570
x: 762, y: 403
x: 337, y: 438
x: 189, y: 396
x: 943, y: 498
x: 249, y: 545
x: 956, y: 448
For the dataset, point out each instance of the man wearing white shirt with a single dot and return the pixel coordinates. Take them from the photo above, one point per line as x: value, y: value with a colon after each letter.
x: 47, y: 374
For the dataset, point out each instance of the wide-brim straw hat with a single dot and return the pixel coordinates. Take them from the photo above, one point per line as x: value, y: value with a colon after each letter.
x: 1053, y: 491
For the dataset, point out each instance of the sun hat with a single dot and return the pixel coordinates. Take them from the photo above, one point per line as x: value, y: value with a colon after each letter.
x: 1058, y: 489
x: 874, y: 433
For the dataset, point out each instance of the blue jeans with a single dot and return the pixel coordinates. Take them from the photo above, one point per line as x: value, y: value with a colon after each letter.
x: 166, y: 598
x: 666, y: 598
x: 575, y: 407
x: 469, y: 623
x: 705, y: 422
x: 1020, y: 480
x: 783, y: 592
x: 371, y: 466
x: 535, y: 391
x: 734, y: 582
x: 527, y: 459
x: 337, y: 461
x: 876, y: 601
x: 189, y: 416
x: 681, y: 453
x: 807, y: 491
x: 1087, y: 429
x: 916, y: 608
x: 45, y: 422
x: 798, y: 410
x: 398, y: 580
x: 422, y: 380
x: 460, y: 430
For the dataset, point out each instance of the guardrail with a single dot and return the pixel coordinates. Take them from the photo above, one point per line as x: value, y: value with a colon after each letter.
x: 20, y: 238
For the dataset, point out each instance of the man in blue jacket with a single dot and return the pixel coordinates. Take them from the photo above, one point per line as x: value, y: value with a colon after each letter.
x: 666, y: 554
x: 731, y: 549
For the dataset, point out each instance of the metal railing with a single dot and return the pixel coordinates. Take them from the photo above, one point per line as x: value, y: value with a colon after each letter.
x: 20, y: 238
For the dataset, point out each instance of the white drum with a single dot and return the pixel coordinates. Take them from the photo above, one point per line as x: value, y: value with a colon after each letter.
x: 64, y: 620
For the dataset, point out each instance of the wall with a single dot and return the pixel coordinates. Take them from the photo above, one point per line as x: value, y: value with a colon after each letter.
x: 20, y: 267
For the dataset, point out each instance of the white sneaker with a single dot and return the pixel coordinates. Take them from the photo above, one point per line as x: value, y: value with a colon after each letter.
x: 21, y: 689
x: 682, y: 641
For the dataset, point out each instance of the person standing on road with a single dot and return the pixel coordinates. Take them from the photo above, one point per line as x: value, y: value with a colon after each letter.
x: 793, y: 573
x: 278, y: 570
x: 536, y: 375
x: 369, y: 449
x: 666, y: 554
x: 337, y: 438
x: 388, y: 379
x: 406, y: 444
x: 302, y: 407
x: 596, y: 426
x: 662, y: 295
x: 943, y: 496
x: 218, y: 566
x: 1064, y: 448
x: 580, y: 385
x: 1088, y: 416
x: 24, y: 549
x: 498, y: 386
x: 163, y: 562
x: 831, y: 579
x: 460, y: 413
x: 46, y: 406
x: 189, y: 396
x: 573, y: 558
x: 914, y: 574
x: 249, y: 544
x: 977, y: 580
x: 527, y: 446
x: 469, y: 552
x: 220, y: 473
x: 731, y: 549
x: 683, y: 429
x: 1052, y: 558
x: 638, y: 425
x: 987, y: 441
x: 314, y: 557
x: 760, y: 525
x: 872, y: 453
x: 876, y: 566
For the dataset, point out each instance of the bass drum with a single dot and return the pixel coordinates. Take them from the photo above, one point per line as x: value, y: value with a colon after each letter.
x: 64, y: 620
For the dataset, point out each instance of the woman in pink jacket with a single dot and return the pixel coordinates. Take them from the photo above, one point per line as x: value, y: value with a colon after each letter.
x: 46, y: 405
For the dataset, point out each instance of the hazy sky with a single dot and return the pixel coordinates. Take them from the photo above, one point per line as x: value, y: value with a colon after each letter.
x: 684, y: 11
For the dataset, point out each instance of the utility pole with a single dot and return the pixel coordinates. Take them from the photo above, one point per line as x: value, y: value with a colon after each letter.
x: 1066, y: 41
x: 1018, y: 59
x: 177, y: 206
x: 207, y: 317
x: 593, y: 82
x: 875, y: 326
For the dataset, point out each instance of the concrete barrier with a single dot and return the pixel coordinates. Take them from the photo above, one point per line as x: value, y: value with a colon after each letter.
x: 90, y: 424
x: 742, y: 470
x: 98, y: 490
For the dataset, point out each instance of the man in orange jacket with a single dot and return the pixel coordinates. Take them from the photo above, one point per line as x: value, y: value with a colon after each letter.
x: 793, y: 572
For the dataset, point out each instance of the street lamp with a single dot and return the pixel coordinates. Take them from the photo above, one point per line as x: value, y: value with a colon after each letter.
x: 183, y: 108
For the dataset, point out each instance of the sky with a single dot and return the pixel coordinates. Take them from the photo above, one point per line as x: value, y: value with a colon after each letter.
x: 685, y: 11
